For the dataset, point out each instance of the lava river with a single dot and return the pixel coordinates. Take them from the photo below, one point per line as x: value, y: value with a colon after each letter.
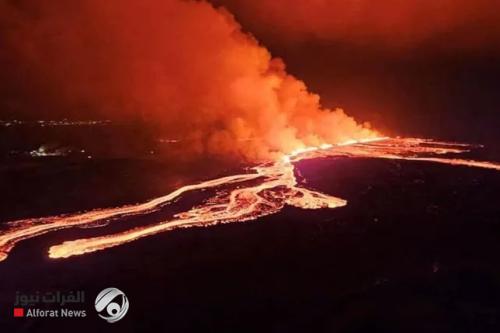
x: 263, y: 191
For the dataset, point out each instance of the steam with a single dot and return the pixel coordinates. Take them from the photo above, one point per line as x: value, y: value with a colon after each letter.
x: 182, y: 65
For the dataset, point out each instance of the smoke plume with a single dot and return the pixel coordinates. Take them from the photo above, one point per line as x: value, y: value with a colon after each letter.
x: 183, y: 65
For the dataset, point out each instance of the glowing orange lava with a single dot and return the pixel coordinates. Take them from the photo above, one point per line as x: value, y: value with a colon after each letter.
x: 244, y: 197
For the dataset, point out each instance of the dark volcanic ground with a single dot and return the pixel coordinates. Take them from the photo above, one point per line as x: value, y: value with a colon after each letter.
x: 415, y: 250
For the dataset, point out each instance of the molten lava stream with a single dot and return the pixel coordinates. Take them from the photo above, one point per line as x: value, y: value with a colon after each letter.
x: 273, y: 186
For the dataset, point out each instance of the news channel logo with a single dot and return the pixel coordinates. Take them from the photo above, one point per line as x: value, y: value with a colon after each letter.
x: 111, y: 304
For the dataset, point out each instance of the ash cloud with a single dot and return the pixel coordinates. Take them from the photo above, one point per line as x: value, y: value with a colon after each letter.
x: 184, y: 66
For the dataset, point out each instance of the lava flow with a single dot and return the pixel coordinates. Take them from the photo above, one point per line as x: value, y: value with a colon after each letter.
x: 238, y: 198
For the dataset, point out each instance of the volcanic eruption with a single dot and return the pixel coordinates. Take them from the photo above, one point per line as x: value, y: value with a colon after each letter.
x: 187, y: 68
